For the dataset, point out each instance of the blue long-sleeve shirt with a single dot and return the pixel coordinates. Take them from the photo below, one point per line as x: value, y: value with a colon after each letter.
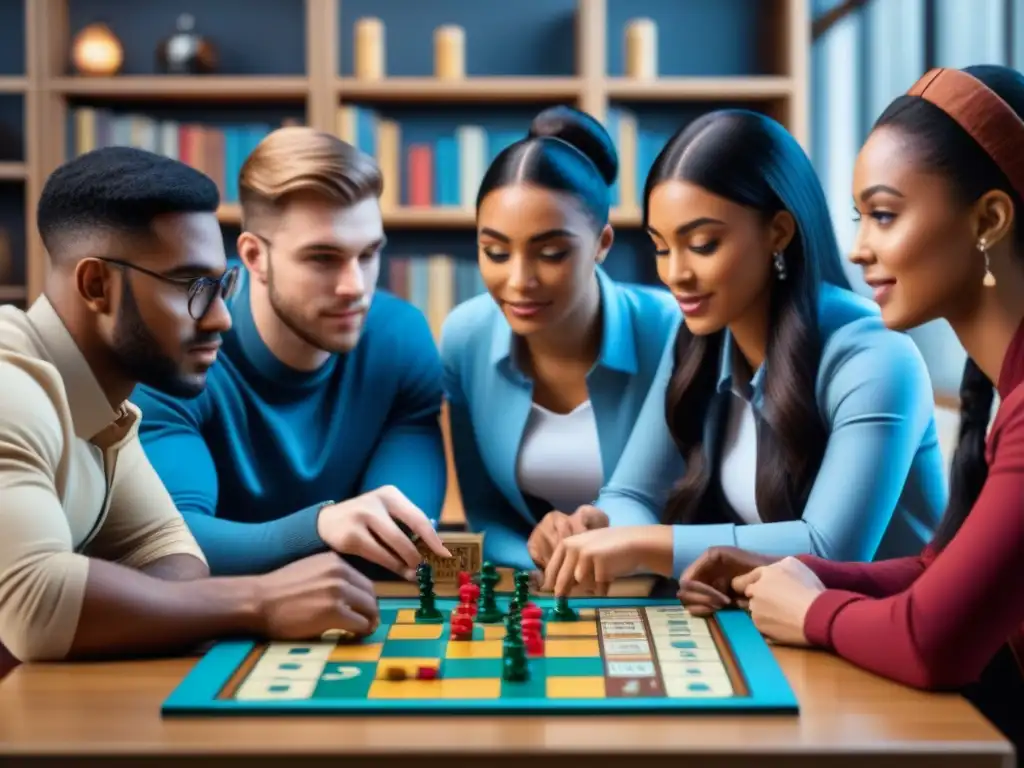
x: 251, y: 460
x: 881, y: 487
x: 489, y: 401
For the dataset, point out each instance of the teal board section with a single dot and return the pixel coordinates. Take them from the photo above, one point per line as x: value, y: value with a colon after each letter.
x: 343, y: 687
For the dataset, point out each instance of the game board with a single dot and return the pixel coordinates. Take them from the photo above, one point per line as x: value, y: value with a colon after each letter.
x: 620, y: 655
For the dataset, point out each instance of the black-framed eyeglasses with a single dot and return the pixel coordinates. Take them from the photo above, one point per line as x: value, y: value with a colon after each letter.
x: 202, y: 291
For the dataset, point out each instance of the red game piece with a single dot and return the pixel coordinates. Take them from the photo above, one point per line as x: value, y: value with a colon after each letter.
x: 467, y: 597
x: 426, y: 673
x: 530, y: 625
x: 534, y: 643
x: 462, y: 624
x: 464, y: 578
x: 531, y: 611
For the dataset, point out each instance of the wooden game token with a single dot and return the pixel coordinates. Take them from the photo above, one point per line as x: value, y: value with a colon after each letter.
x: 339, y: 635
x: 395, y: 673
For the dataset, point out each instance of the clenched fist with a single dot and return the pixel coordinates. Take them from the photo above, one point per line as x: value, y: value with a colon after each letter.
x: 313, y: 596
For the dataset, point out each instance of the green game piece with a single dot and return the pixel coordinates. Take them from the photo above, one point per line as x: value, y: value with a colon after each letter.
x: 428, y: 612
x: 522, y: 587
x: 514, y: 662
x: 488, y: 611
x: 515, y: 667
x: 562, y: 610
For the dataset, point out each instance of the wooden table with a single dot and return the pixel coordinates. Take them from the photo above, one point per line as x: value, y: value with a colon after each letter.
x: 88, y: 714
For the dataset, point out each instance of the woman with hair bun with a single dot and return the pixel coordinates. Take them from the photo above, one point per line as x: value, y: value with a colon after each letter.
x: 546, y: 373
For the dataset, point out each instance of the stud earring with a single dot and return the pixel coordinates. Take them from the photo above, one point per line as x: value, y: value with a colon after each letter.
x: 780, y: 265
x: 989, y: 280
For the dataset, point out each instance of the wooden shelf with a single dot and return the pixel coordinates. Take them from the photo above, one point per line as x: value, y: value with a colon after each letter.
x: 196, y: 88
x: 50, y: 94
x: 431, y: 218
x: 430, y: 89
x: 763, y: 88
x: 13, y: 84
x: 13, y: 171
x: 12, y: 293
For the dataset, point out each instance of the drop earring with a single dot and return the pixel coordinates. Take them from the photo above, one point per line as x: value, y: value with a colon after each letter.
x: 780, y: 265
x: 989, y: 280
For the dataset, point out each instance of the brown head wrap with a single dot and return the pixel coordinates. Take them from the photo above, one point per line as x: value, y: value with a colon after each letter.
x: 982, y: 113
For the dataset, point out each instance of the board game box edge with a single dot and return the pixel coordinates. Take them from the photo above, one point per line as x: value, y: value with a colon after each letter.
x: 769, y: 692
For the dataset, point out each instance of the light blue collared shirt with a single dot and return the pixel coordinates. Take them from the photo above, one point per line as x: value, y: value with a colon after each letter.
x: 881, y: 486
x: 490, y: 399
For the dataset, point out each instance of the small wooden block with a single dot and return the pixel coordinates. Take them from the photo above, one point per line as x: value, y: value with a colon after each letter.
x: 395, y: 673
x: 467, y: 555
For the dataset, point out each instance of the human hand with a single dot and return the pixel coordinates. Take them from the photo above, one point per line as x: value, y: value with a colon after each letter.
x: 779, y: 596
x: 365, y: 526
x: 556, y: 525
x: 705, y: 585
x: 315, y: 595
x: 594, y: 559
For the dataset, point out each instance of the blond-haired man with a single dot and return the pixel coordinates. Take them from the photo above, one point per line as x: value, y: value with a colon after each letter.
x: 318, y: 429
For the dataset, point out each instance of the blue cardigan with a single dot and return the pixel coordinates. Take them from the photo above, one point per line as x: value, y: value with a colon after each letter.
x: 489, y: 402
x: 881, y: 486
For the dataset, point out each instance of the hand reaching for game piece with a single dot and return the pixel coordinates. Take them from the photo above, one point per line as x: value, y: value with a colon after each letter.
x: 594, y: 559
x: 779, y: 596
x: 365, y: 526
x: 318, y: 594
x: 555, y: 526
x: 705, y: 585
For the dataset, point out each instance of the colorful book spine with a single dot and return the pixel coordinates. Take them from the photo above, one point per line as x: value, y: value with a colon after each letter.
x: 218, y: 151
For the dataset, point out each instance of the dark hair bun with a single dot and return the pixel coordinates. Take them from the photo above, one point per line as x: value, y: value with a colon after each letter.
x: 583, y: 132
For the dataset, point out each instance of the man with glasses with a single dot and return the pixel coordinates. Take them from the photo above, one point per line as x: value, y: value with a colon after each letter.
x: 319, y: 425
x: 95, y: 560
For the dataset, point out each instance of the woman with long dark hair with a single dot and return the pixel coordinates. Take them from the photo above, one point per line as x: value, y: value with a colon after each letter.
x: 938, y: 187
x: 792, y: 420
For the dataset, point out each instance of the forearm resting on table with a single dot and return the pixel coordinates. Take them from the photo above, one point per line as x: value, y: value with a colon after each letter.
x: 127, y: 611
x: 177, y: 568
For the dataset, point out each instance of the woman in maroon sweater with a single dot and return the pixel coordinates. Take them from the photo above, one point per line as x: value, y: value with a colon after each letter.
x: 938, y: 190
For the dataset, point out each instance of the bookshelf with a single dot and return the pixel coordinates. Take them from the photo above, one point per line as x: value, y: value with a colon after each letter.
x: 752, y: 53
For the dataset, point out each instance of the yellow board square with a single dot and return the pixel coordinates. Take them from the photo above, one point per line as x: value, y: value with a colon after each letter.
x: 572, y: 648
x: 575, y: 688
x: 493, y: 631
x: 411, y: 666
x: 470, y: 688
x: 475, y: 649
x: 369, y: 652
x: 415, y: 632
x: 406, y: 616
x: 572, y: 629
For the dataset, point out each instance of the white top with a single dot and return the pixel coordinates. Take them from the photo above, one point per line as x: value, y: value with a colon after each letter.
x: 560, y: 457
x: 738, y: 471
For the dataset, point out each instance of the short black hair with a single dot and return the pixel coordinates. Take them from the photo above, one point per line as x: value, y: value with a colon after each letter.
x: 118, y: 189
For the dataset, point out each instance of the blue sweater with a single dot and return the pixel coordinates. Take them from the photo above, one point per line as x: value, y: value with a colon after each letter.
x: 489, y: 400
x: 251, y: 460
x: 881, y: 486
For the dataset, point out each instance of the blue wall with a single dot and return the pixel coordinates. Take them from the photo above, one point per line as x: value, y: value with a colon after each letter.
x: 12, y: 38
x: 695, y: 37
x: 253, y: 37
x: 528, y: 37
